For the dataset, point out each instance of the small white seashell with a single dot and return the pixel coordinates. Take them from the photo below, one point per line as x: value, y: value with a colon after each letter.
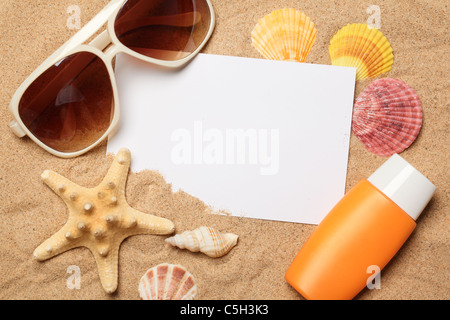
x: 206, y: 240
x: 167, y: 282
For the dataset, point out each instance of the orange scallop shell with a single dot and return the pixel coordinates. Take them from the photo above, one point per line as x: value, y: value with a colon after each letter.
x: 367, y: 49
x: 285, y: 35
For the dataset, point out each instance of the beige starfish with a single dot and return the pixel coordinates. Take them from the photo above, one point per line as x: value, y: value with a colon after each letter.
x: 99, y: 219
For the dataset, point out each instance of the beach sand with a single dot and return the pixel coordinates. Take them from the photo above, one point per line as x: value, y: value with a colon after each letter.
x: 30, y: 212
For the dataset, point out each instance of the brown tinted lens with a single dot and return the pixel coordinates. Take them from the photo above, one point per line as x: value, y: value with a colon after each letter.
x: 163, y: 29
x: 70, y: 106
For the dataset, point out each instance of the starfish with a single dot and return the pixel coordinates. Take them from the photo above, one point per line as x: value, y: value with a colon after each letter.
x: 99, y: 219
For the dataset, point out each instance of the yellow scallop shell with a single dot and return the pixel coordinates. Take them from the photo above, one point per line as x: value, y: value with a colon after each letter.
x: 357, y: 45
x: 285, y: 34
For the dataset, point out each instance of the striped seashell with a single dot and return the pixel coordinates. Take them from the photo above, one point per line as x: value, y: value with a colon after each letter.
x: 387, y: 116
x: 368, y: 50
x: 167, y: 282
x: 285, y: 35
x: 206, y: 240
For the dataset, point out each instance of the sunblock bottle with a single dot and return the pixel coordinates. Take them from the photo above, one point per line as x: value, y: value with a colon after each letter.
x: 361, y: 233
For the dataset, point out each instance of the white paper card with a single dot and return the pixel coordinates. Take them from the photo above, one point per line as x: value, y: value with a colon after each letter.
x: 255, y: 138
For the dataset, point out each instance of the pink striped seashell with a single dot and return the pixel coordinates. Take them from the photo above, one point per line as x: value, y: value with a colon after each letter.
x: 167, y: 282
x: 387, y: 116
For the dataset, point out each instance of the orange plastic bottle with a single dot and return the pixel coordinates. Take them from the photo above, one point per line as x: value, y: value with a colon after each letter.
x: 365, y: 229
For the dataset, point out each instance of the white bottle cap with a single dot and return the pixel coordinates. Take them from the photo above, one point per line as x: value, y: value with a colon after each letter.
x: 404, y: 185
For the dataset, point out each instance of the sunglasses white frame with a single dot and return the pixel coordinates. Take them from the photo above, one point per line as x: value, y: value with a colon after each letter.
x: 105, y: 46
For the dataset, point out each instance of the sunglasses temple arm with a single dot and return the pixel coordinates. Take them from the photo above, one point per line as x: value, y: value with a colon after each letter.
x: 18, y: 131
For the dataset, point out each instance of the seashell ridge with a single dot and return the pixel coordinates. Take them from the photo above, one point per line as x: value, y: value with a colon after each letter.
x: 387, y: 116
x: 368, y: 50
x: 206, y: 240
x: 285, y: 35
x: 167, y: 282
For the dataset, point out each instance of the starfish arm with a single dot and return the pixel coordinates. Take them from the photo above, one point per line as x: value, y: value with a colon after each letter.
x: 62, y: 186
x: 117, y: 175
x: 108, y: 266
x: 60, y: 242
x: 150, y: 224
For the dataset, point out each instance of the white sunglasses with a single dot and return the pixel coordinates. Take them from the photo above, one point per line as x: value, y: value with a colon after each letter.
x: 69, y: 104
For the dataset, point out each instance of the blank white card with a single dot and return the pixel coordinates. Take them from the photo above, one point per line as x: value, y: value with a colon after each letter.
x: 254, y: 138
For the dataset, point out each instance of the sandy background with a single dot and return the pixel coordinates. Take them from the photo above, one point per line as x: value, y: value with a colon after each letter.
x: 30, y: 212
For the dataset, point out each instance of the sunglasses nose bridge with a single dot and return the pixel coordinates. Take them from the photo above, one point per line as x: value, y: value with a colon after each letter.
x: 111, y: 52
x: 104, y: 43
